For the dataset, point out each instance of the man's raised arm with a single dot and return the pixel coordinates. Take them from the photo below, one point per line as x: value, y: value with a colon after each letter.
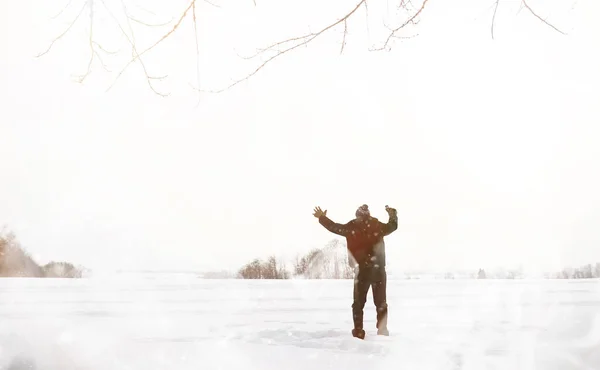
x: 392, y: 223
x: 331, y: 226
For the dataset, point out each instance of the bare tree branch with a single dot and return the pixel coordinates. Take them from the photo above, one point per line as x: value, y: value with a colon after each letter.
x: 303, y: 40
x: 345, y: 33
x: 134, y: 52
x: 91, y: 42
x: 127, y: 19
x: 103, y: 49
x: 95, y: 47
x: 367, y: 20
x: 65, y: 31
x: 406, y: 37
x: 197, y: 48
x: 143, y: 9
x: 280, y: 43
x: 102, y: 62
x: 90, y: 3
x: 215, y: 5
x: 149, y: 24
x: 408, y: 17
x: 165, y: 36
x: 494, y: 17
x: 405, y: 4
x: 285, y: 46
x: 540, y: 18
x: 411, y: 20
x: 62, y: 10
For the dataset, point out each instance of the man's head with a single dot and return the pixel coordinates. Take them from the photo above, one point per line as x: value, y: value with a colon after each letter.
x: 363, y: 212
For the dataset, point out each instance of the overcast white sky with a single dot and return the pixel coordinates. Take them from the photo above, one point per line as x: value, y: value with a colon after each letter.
x: 488, y: 149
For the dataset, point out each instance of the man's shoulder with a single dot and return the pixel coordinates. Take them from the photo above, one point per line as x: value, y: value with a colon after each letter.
x: 360, y: 224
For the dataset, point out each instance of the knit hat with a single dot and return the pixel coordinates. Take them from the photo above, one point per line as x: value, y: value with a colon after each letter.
x: 363, y: 211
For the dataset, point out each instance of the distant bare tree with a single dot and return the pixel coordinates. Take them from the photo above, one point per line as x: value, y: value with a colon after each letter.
x: 14, y: 260
x: 407, y: 14
x: 329, y: 262
x: 302, y: 264
x: 251, y: 271
x: 269, y: 269
x: 588, y: 271
x: 272, y: 269
x: 61, y: 270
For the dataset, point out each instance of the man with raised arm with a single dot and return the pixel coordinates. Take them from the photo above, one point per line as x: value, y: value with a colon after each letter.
x: 364, y: 237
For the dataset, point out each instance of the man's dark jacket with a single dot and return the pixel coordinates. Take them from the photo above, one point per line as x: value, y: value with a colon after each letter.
x: 364, y: 238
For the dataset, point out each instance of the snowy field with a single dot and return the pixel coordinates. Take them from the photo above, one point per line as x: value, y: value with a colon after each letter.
x: 180, y: 322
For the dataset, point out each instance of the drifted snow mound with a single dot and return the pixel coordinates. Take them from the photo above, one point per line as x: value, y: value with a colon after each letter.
x: 330, y: 262
x: 39, y: 345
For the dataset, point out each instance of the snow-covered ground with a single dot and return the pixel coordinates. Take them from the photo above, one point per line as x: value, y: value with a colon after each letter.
x: 181, y: 322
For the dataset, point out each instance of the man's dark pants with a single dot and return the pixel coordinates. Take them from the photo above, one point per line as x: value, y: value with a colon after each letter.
x: 370, y: 277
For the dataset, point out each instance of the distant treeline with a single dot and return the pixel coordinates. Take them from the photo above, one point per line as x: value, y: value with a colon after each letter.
x: 333, y: 262
x: 588, y: 271
x: 329, y: 262
x: 16, y: 262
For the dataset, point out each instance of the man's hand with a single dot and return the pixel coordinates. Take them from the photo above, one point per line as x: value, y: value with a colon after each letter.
x: 391, y: 211
x: 319, y: 212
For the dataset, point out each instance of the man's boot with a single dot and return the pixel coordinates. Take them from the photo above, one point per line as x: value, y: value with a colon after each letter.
x: 383, y: 331
x: 357, y: 318
x: 382, y: 321
x: 358, y: 333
